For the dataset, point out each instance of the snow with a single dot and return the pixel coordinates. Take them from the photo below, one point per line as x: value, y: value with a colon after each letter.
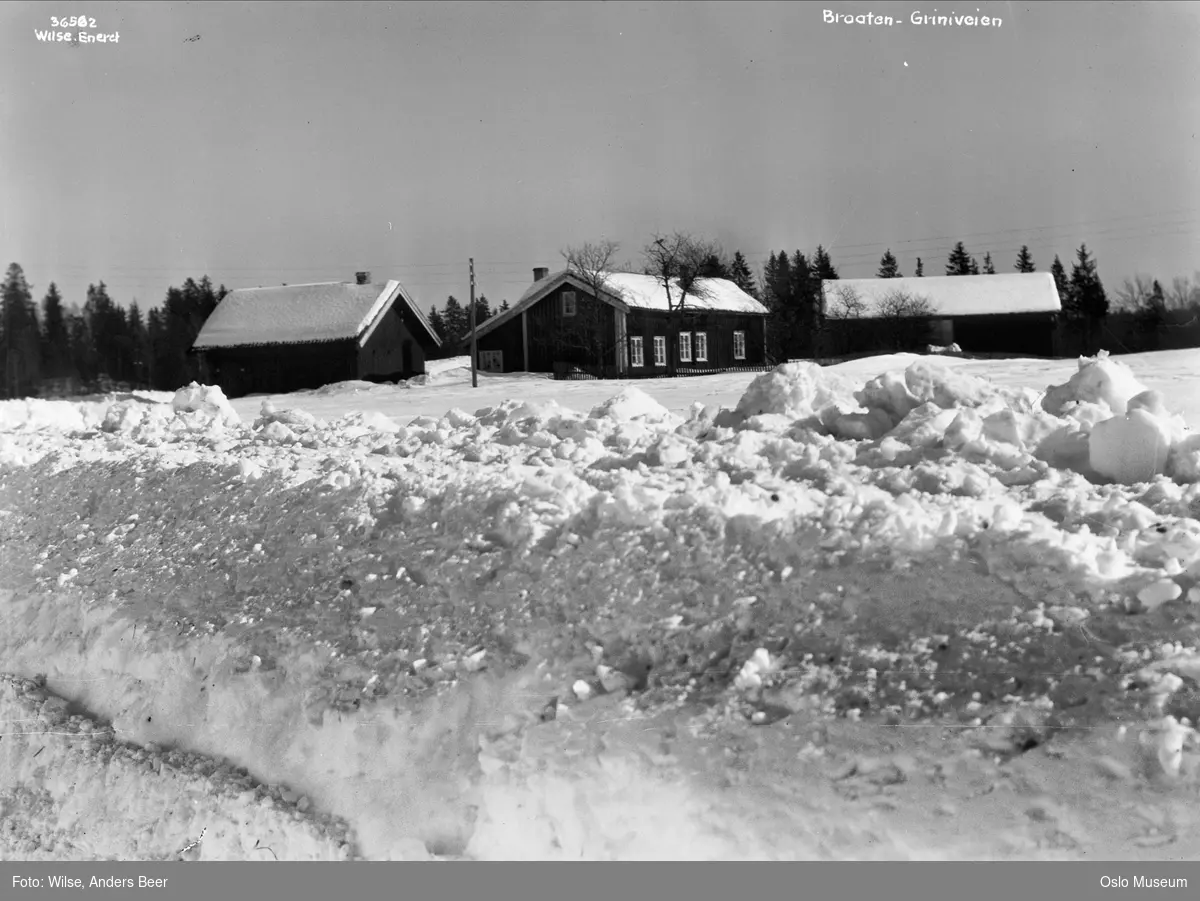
x: 645, y: 292
x: 1075, y: 482
x: 289, y: 314
x: 958, y: 295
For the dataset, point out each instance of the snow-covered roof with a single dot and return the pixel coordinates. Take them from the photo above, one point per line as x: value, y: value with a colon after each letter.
x: 957, y: 295
x: 630, y: 290
x: 302, y: 314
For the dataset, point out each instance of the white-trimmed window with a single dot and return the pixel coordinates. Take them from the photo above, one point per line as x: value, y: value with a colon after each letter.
x: 739, y: 345
x: 491, y: 360
x: 568, y: 303
x: 701, y: 347
x: 660, y: 350
x: 685, y: 347
x: 637, y: 352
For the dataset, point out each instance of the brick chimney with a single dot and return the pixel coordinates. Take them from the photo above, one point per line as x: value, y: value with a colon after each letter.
x: 539, y: 273
x: 362, y: 278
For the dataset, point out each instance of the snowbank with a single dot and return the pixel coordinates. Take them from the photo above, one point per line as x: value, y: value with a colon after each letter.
x: 1089, y: 490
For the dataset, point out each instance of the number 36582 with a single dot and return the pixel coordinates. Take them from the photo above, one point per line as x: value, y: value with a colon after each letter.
x: 72, y: 22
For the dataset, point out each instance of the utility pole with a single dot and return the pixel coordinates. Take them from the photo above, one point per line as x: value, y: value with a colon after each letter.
x: 474, y: 355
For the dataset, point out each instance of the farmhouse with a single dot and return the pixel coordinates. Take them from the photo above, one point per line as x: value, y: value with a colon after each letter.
x: 1008, y: 313
x: 559, y: 325
x: 276, y: 340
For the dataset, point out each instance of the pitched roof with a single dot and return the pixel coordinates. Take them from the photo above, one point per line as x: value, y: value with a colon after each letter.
x: 302, y: 314
x: 629, y: 290
x: 958, y: 295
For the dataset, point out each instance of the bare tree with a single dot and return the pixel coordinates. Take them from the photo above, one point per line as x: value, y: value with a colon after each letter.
x: 904, y: 319
x: 897, y: 321
x: 1185, y: 292
x: 591, y: 264
x: 1134, y: 293
x: 679, y: 262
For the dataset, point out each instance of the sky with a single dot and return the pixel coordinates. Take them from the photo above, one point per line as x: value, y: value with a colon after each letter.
x: 264, y: 143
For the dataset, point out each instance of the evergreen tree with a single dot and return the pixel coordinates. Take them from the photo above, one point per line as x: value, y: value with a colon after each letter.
x: 437, y: 323
x: 483, y: 310
x: 777, y: 290
x: 56, y: 346
x: 1088, y: 292
x: 1025, y: 260
x: 503, y: 307
x: 184, y: 311
x: 456, y: 320
x: 920, y: 270
x: 156, y: 341
x: 139, y: 340
x: 974, y: 267
x: 714, y: 267
x: 740, y: 274
x: 806, y: 304
x: 988, y: 268
x: 888, y: 267
x: 822, y: 265
x: 20, y: 336
x: 959, y: 262
x: 1064, y: 287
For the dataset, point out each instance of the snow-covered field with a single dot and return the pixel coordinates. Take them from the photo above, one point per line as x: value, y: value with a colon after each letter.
x: 431, y: 618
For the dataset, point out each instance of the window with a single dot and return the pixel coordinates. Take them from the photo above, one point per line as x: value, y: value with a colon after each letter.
x: 701, y: 347
x: 685, y: 347
x: 660, y: 350
x: 739, y: 345
x: 637, y: 353
x: 568, y: 300
x: 491, y: 360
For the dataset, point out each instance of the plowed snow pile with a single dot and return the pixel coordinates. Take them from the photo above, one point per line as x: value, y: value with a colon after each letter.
x: 538, y: 632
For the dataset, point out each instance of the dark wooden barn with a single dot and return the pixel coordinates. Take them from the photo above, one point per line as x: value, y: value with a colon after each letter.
x: 293, y: 337
x: 559, y: 325
x: 1011, y: 313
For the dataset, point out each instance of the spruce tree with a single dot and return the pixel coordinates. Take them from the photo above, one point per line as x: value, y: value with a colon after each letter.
x: 822, y: 265
x: 139, y: 339
x: 740, y: 274
x: 483, y: 310
x: 503, y: 306
x: 1025, y: 260
x: 1085, y: 285
x: 888, y: 267
x: 777, y: 289
x: 959, y: 262
x: 455, y: 317
x: 20, y: 338
x: 988, y: 268
x: 714, y: 267
x: 56, y: 346
x: 974, y: 267
x: 438, y: 324
x: 805, y: 301
x: 919, y: 272
x: 1064, y: 288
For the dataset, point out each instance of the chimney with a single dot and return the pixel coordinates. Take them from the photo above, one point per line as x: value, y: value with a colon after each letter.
x: 362, y: 278
x: 539, y: 273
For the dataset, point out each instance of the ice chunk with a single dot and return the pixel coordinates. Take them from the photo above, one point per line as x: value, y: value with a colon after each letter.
x: 1100, y: 380
x: 207, y: 399
x: 1131, y: 448
x: 794, y: 390
x: 631, y: 403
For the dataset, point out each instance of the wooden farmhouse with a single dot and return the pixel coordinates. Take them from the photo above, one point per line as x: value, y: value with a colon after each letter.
x: 560, y: 325
x: 293, y: 337
x: 1011, y: 313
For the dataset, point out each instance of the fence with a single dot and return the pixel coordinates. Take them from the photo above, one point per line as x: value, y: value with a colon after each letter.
x: 581, y: 372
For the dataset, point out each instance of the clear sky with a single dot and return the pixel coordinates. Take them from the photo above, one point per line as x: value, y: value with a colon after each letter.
x: 300, y: 142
